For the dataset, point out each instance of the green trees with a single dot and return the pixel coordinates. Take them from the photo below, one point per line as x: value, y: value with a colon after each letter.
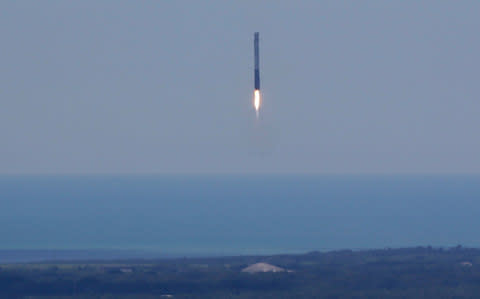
x: 390, y: 273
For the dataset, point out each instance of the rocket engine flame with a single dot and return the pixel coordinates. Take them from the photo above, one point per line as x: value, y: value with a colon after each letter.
x: 256, y: 100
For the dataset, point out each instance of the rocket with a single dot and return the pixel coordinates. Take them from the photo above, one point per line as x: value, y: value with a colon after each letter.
x: 257, y: 60
x: 256, y: 93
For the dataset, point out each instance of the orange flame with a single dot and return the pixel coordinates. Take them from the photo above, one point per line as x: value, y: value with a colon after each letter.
x: 256, y: 100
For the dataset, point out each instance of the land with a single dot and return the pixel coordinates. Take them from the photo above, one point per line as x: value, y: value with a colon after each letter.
x: 421, y: 272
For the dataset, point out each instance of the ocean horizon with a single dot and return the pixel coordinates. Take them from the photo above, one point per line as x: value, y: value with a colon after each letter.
x: 174, y: 215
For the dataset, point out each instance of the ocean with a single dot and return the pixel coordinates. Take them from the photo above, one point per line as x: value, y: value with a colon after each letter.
x: 237, y: 214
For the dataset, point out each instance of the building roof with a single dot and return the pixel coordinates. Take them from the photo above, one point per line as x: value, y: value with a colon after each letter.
x: 262, y: 267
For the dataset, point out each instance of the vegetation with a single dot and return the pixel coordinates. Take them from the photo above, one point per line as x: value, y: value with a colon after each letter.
x: 422, y: 272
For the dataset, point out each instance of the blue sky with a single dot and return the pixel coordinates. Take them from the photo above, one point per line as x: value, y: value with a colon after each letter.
x: 166, y: 87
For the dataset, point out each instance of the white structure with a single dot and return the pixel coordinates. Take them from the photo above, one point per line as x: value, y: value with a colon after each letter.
x: 262, y: 267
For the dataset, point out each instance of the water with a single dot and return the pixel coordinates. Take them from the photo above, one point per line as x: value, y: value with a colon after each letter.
x: 191, y: 215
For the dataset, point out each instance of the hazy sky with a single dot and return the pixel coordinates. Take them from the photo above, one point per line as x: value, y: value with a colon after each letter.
x: 166, y: 87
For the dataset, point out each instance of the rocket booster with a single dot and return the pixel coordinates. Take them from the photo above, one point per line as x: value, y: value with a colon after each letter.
x: 256, y: 93
x: 257, y: 60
